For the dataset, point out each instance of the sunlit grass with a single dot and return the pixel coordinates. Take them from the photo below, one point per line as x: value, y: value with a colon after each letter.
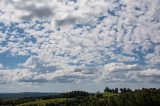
x: 44, y: 102
x: 109, y: 94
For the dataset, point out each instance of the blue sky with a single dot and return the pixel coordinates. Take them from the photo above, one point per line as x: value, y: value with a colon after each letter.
x: 63, y: 45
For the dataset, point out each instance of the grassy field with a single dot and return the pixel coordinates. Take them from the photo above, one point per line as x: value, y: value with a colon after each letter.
x: 60, y: 100
x: 109, y: 94
x: 44, y: 102
x: 139, y: 97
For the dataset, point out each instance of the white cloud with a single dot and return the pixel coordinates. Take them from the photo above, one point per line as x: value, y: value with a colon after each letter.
x: 112, y: 72
x: 149, y: 75
x: 117, y: 72
x: 23, y: 75
x: 1, y: 66
x: 128, y: 28
x: 60, y: 12
x: 114, y: 67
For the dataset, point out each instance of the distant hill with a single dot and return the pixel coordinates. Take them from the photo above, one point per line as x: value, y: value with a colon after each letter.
x: 110, y: 97
x: 24, y: 94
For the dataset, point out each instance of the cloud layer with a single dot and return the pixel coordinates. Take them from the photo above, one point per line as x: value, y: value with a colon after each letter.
x: 75, y: 40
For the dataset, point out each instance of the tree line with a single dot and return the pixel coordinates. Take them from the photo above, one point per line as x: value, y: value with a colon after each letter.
x: 116, y: 90
x: 110, y: 97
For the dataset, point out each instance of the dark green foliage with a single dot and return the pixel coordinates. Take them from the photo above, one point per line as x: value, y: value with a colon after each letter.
x: 111, y: 90
x: 107, y: 89
x: 144, y: 97
x: 125, y: 90
x: 74, y: 94
x: 126, y: 97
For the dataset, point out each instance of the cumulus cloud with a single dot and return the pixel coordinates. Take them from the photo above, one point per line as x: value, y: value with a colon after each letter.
x: 126, y: 73
x: 72, y: 40
x: 150, y: 75
x: 60, y: 12
x: 1, y: 66
x: 115, y: 67
x: 23, y: 75
x: 118, y: 72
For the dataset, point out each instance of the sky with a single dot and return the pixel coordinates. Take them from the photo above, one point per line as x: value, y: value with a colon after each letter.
x: 64, y: 45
